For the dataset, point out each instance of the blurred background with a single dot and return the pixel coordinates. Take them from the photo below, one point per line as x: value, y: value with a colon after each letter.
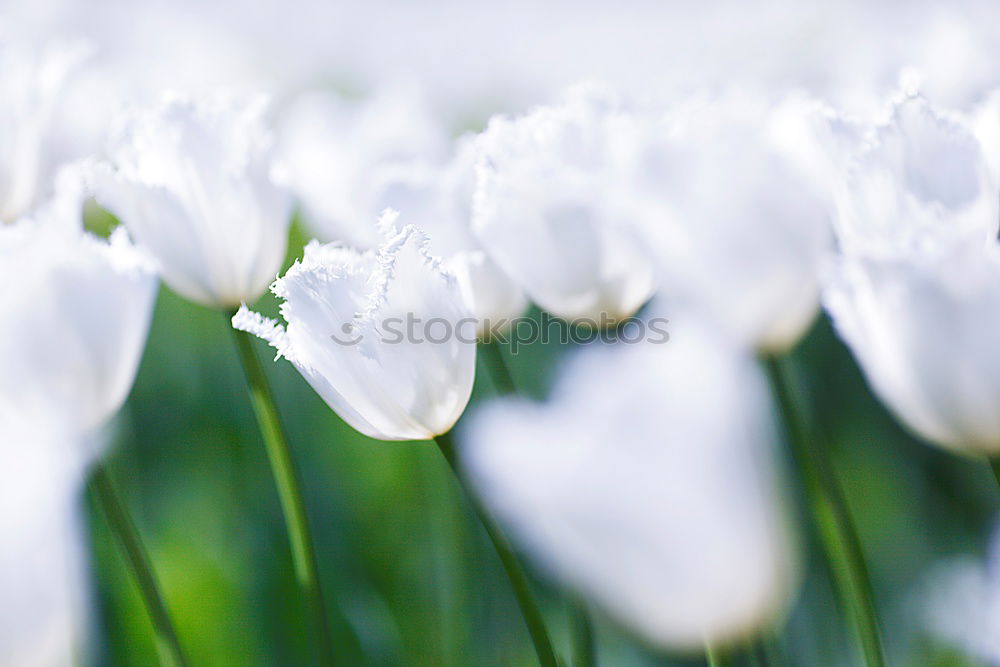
x: 473, y: 58
x: 411, y: 574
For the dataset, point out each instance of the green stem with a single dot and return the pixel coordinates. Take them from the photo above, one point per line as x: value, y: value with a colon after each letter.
x: 836, y: 530
x: 168, y: 647
x: 584, y: 654
x: 715, y: 657
x: 995, y: 467
x: 289, y: 491
x: 515, y: 573
x: 500, y: 375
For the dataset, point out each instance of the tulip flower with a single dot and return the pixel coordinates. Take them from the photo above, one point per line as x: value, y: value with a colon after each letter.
x: 335, y: 152
x: 78, y: 333
x: 915, y: 289
x: 735, y: 218
x: 30, y: 83
x: 191, y: 180
x: 77, y: 309
x: 349, y: 333
x: 548, y: 212
x: 657, y: 499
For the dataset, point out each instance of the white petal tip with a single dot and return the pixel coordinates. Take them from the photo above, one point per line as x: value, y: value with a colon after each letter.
x: 262, y: 327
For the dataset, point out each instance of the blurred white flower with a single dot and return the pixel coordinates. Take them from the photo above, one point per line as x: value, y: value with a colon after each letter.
x: 916, y: 289
x: 438, y: 200
x: 76, y: 312
x: 30, y: 83
x: 730, y: 198
x: 647, y: 483
x: 334, y: 152
x: 961, y: 604
x: 922, y: 183
x: 923, y: 330
x: 42, y: 562
x: 350, y: 336
x: 549, y: 211
x: 191, y: 180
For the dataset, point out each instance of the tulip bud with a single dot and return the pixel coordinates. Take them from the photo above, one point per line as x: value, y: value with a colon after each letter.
x: 191, y: 181
x: 548, y: 210
x: 736, y: 220
x: 916, y: 289
x: 76, y: 311
x: 657, y: 498
x: 385, y: 337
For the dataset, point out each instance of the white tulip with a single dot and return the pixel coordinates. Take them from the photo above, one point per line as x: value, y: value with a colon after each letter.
x: 439, y: 201
x: 191, y: 181
x: 727, y: 196
x: 334, y: 152
x: 917, y: 287
x: 30, y: 83
x: 548, y: 210
x: 76, y: 311
x: 349, y: 334
x: 922, y: 183
x: 923, y: 330
x: 647, y: 483
x: 42, y: 563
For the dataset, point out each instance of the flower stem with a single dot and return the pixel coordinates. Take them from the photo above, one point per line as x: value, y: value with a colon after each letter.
x: 583, y: 637
x: 492, y: 358
x: 515, y: 573
x: 289, y: 491
x: 584, y: 652
x: 500, y: 375
x: 168, y: 647
x: 833, y: 521
x: 715, y: 657
x: 995, y: 467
